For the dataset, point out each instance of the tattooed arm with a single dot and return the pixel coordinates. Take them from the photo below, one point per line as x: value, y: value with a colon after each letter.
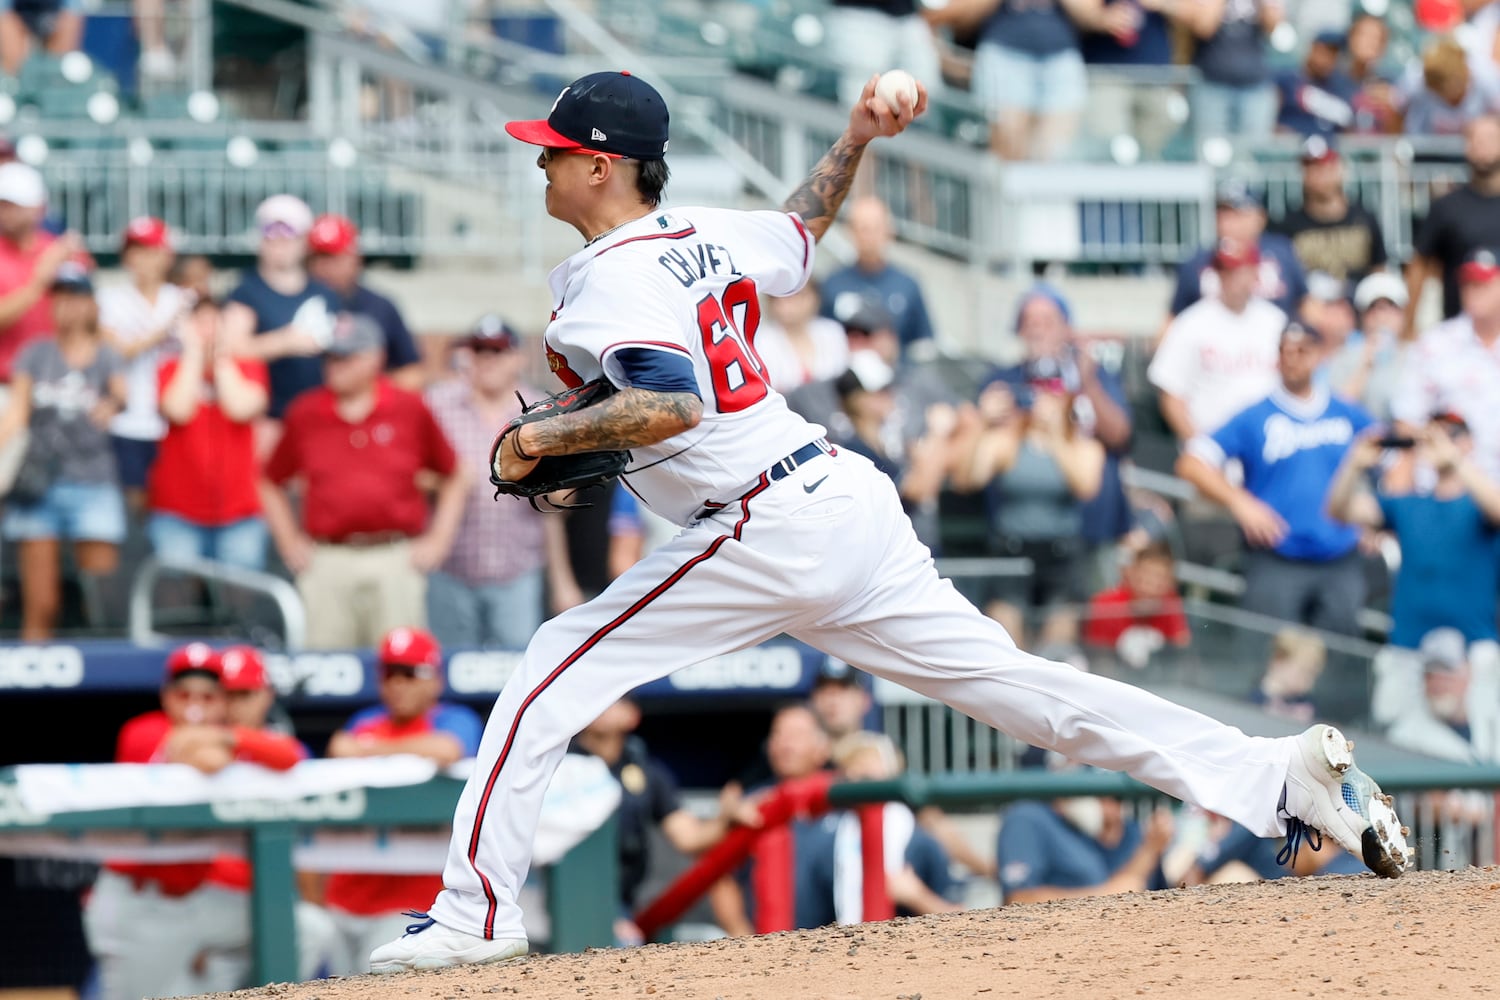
x: 818, y: 199
x: 631, y: 418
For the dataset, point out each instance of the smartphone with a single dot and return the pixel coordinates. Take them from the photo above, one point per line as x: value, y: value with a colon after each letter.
x: 1394, y: 441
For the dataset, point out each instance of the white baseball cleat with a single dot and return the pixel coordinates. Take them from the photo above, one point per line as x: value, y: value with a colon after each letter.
x: 1325, y: 791
x: 427, y: 944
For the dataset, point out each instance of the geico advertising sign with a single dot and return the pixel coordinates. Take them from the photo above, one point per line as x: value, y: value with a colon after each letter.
x: 39, y: 667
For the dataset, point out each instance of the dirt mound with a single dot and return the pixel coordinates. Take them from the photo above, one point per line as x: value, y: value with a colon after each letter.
x: 1429, y: 934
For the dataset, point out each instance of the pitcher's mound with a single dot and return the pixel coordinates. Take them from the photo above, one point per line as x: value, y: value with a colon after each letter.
x: 1429, y: 934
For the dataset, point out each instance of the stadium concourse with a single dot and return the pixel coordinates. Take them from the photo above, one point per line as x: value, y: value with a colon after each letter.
x: 1429, y: 935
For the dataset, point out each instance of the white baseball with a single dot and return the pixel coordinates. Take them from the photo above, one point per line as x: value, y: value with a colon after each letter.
x: 892, y: 84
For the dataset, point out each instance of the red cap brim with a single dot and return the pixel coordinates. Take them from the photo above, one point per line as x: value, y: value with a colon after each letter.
x: 539, y: 133
x: 1473, y: 274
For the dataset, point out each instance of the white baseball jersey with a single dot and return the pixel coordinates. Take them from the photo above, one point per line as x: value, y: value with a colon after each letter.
x: 821, y: 551
x: 688, y: 282
x: 1218, y: 361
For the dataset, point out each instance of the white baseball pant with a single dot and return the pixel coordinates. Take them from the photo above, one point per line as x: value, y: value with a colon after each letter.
x: 827, y: 556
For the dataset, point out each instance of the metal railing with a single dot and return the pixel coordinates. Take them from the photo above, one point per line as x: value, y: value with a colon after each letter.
x: 288, y: 602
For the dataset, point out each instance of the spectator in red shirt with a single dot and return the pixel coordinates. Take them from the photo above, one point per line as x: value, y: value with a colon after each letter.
x: 369, y: 908
x: 489, y: 590
x: 1144, y: 612
x: 29, y: 259
x: 366, y: 543
x: 204, y: 499
x: 149, y: 925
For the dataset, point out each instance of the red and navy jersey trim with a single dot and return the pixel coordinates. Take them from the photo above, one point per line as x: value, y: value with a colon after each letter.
x: 572, y: 658
x: 680, y: 234
x: 662, y: 344
x: 807, y: 240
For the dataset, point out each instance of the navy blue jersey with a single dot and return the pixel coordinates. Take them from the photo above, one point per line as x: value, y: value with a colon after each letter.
x: 290, y: 377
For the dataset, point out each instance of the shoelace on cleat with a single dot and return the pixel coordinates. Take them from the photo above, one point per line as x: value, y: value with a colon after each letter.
x: 423, y: 921
x: 1296, y: 832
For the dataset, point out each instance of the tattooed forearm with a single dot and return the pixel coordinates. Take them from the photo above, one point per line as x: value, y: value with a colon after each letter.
x: 631, y: 418
x: 817, y: 201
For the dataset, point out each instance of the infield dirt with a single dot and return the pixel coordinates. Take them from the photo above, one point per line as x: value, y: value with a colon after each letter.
x: 1431, y: 934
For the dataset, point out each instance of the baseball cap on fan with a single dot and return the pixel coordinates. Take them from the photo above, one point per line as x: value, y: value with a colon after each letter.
x: 1443, y: 649
x: 243, y: 669
x: 492, y: 333
x: 284, y: 216
x: 194, y: 658
x: 21, y: 184
x: 411, y: 647
x: 1378, y: 286
x: 1480, y: 266
x: 146, y: 231
x: 353, y: 333
x: 332, y: 235
x: 612, y: 113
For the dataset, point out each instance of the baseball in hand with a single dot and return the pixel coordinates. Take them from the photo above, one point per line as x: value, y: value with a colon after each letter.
x: 892, y: 84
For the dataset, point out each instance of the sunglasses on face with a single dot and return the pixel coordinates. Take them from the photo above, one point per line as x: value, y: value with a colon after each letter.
x: 490, y: 351
x: 278, y: 231
x: 404, y: 671
x: 549, y: 153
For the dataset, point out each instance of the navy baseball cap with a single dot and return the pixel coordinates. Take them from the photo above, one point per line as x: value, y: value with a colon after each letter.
x: 1297, y: 330
x: 1235, y: 193
x: 612, y: 113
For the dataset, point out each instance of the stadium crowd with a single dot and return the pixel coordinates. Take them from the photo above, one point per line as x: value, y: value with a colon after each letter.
x: 1040, y: 71
x: 285, y: 419
x: 293, y: 425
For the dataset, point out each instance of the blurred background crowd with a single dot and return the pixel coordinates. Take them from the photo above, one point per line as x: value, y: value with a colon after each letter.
x: 1204, y: 401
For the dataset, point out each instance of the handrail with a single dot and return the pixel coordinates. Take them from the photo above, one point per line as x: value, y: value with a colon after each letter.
x: 958, y: 790
x: 288, y: 601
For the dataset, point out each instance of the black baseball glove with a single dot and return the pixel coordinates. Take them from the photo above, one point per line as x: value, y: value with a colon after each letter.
x: 554, y: 473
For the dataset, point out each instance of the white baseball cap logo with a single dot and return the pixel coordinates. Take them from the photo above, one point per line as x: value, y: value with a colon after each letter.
x: 598, y: 136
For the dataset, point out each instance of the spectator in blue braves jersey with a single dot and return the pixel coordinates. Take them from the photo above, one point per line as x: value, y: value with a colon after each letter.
x: 1447, y: 533
x: 1080, y: 846
x: 1302, y: 565
x: 872, y: 278
x: 1240, y: 217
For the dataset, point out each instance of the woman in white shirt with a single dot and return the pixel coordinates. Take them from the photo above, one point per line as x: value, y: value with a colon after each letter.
x: 139, y: 320
x: 797, y: 345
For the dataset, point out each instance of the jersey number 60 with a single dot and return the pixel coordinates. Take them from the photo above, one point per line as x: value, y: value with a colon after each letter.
x: 728, y: 324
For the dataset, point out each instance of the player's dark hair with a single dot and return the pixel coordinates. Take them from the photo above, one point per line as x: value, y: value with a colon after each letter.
x: 651, y: 180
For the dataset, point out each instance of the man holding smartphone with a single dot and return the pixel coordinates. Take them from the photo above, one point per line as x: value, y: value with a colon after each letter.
x: 1447, y: 532
x: 1301, y: 566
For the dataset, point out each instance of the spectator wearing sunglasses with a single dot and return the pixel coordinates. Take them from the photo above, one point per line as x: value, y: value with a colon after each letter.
x: 410, y: 719
x: 278, y: 314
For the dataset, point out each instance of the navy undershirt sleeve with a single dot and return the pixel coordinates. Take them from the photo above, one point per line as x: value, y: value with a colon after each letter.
x: 659, y: 371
